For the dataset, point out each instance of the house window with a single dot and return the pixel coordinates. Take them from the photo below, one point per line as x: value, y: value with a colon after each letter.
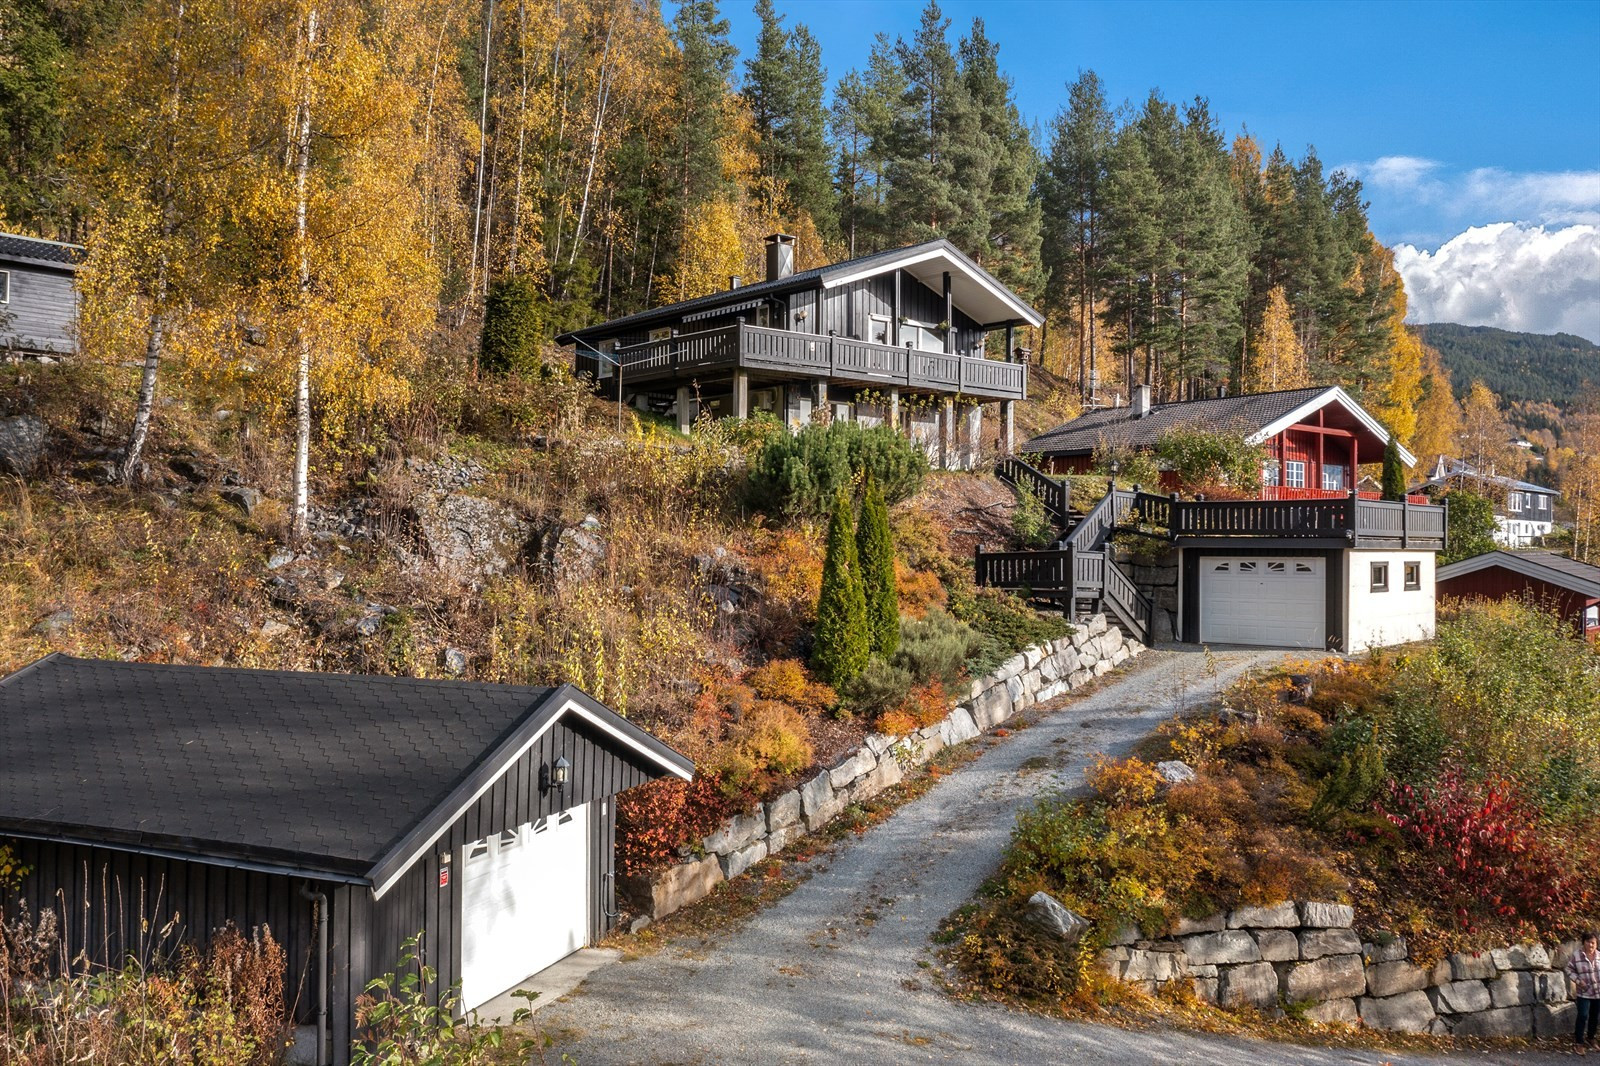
x: 5, y: 286
x: 1380, y: 577
x: 664, y: 333
x: 878, y: 329
x: 1515, y: 501
x: 1295, y: 474
x: 1269, y: 473
x: 1413, y: 576
x: 1333, y: 478
x: 1591, y: 617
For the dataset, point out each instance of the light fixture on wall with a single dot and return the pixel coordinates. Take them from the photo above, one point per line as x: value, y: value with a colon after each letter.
x: 554, y: 775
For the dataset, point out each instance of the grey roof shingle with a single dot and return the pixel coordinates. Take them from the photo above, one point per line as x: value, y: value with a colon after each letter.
x: 1457, y: 468
x: 324, y: 771
x: 1118, y: 425
x: 15, y: 246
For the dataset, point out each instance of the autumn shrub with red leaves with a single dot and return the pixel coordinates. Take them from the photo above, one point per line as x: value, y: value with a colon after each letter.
x: 1481, y: 850
x: 657, y: 818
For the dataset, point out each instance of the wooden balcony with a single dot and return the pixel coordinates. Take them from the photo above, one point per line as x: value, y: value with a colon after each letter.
x: 1349, y: 521
x: 840, y: 359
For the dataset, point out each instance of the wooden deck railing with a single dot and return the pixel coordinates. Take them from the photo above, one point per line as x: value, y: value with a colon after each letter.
x: 1049, y: 571
x: 1359, y: 521
x: 758, y: 347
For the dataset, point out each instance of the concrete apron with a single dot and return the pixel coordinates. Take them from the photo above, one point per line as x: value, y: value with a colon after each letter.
x: 551, y: 983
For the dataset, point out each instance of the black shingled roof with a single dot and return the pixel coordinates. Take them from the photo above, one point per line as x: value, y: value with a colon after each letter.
x: 797, y: 282
x: 1117, y: 424
x: 14, y: 246
x: 322, y: 772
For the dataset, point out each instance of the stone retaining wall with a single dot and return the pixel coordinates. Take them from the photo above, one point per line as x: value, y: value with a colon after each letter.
x: 1037, y: 674
x: 1307, y: 956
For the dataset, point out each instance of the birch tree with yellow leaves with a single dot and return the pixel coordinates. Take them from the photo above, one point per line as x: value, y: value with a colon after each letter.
x: 1275, y: 360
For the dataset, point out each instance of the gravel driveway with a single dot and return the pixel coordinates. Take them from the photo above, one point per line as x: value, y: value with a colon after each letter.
x: 830, y: 973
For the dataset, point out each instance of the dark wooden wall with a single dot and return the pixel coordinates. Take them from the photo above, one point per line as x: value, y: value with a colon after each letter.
x: 43, y: 312
x: 1495, y: 583
x: 846, y: 309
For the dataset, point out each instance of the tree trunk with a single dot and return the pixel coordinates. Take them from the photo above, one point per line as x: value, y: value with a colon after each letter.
x: 153, y: 346
x: 483, y: 148
x: 300, y: 515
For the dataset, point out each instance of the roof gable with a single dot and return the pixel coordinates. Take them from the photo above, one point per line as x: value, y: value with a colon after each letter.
x: 1261, y: 415
x: 977, y: 292
x: 317, y: 772
x: 1548, y: 567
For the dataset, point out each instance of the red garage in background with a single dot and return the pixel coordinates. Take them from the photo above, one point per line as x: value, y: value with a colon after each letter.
x: 1572, y: 586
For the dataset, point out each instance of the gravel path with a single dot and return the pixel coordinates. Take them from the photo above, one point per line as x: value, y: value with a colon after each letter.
x: 830, y: 973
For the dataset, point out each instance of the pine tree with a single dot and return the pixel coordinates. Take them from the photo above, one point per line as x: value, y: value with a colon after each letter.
x: 1394, y: 471
x: 706, y: 60
x: 1008, y: 223
x: 875, y: 549
x: 1071, y: 203
x: 866, y: 107
x: 843, y: 642
x: 784, y: 85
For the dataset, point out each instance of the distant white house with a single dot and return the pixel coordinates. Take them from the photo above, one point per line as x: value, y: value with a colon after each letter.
x: 1524, y: 513
x: 38, y: 296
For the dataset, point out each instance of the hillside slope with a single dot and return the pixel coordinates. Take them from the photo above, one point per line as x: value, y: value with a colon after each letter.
x: 1520, y: 367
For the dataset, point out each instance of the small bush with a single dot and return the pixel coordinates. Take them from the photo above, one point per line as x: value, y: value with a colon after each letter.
x: 936, y: 649
x: 881, y: 687
x: 1006, y: 623
x: 1204, y: 459
x: 1472, y: 526
x: 769, y: 741
x: 786, y: 681
x: 803, y: 473
x: 875, y: 550
x: 657, y: 818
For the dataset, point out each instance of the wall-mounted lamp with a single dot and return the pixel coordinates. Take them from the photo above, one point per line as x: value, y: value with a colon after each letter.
x: 554, y: 775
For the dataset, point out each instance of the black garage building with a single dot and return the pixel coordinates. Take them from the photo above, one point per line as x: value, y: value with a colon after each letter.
x: 347, y: 812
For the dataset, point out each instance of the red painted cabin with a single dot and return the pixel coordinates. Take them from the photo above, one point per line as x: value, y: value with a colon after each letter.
x: 1571, y: 588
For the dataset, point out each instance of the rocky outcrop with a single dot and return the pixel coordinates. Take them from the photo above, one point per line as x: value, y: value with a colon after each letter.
x: 21, y: 444
x: 1039, y: 674
x: 1308, y: 957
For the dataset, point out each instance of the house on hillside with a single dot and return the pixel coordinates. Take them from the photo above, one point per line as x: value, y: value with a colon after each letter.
x: 38, y: 297
x: 1524, y: 513
x: 1570, y: 587
x: 906, y: 338
x: 347, y: 813
x: 1313, y: 563
x: 1315, y: 438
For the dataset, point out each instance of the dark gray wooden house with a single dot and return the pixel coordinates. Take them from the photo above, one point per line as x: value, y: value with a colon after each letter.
x: 347, y: 812
x: 38, y: 296
x: 904, y: 337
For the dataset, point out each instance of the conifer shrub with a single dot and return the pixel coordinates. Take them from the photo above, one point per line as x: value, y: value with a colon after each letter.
x: 1005, y: 623
x: 802, y: 473
x: 513, y: 327
x: 842, y: 643
x: 875, y: 550
x: 936, y: 648
x: 1394, y: 471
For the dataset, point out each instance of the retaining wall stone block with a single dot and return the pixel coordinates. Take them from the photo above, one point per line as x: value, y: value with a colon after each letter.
x: 678, y: 886
x: 1211, y: 923
x: 1392, y: 949
x: 1253, y: 985
x: 1461, y: 997
x: 1470, y: 966
x: 1096, y: 624
x: 884, y: 775
x: 739, y: 861
x: 1409, y: 1012
x: 853, y: 766
x: 1227, y: 947
x: 783, y: 811
x: 1278, y: 945
x: 1276, y: 916
x: 817, y: 801
x: 1502, y: 1021
x: 1330, y: 977
x: 1553, y: 1019
x: 1514, y: 989
x: 739, y: 831
x: 1521, y: 957
x: 1315, y: 943
x: 1393, y: 978
x: 1326, y: 915
x: 1333, y: 1012
x: 778, y: 839
x: 1143, y: 965
x: 958, y: 727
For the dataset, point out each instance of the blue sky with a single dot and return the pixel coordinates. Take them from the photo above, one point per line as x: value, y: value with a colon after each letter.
x: 1458, y: 117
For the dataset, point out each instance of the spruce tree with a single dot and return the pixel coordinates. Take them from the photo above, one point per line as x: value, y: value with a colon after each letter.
x: 875, y: 549
x: 842, y: 644
x: 784, y: 85
x: 1071, y: 191
x: 866, y: 105
x: 1394, y: 471
x: 706, y: 59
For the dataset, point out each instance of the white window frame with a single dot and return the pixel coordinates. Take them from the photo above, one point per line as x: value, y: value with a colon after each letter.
x: 662, y: 334
x: 1269, y: 474
x: 1294, y: 474
x: 1333, y: 478
x: 5, y: 286
x: 872, y: 328
x: 1514, y: 501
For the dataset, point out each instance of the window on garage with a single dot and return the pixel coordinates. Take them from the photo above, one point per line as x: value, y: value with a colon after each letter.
x: 1380, y: 577
x: 1413, y: 576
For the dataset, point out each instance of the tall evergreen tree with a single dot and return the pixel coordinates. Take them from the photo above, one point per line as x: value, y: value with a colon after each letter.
x: 875, y: 549
x: 706, y: 60
x: 784, y: 85
x: 1394, y: 471
x: 865, y: 110
x: 843, y: 642
x: 1009, y: 214
x: 1138, y: 256
x: 1071, y: 191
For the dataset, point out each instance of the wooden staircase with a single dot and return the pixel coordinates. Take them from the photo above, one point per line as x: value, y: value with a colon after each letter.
x: 1078, y: 569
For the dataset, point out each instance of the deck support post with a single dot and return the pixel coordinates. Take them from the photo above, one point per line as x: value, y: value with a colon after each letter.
x: 947, y: 433
x: 684, y: 421
x: 974, y: 434
x: 741, y: 394
x: 894, y: 409
x: 1008, y: 428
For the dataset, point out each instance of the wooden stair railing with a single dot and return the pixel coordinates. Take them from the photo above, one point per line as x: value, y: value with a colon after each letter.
x: 1052, y: 493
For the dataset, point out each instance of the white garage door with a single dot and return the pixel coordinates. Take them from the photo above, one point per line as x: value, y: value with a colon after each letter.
x: 1276, y: 602
x: 525, y: 903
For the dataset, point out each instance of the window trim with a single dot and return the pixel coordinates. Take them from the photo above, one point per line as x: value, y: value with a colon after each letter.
x: 5, y: 287
x: 1514, y: 501
x: 1294, y: 474
x: 1327, y: 480
x: 1412, y: 569
x: 1380, y: 577
x: 1270, y: 473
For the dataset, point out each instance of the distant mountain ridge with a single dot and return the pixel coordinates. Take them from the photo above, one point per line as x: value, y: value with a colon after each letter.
x: 1520, y: 367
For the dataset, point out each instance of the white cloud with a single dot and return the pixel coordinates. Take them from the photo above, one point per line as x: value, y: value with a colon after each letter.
x: 1511, y: 275
x: 1542, y: 198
